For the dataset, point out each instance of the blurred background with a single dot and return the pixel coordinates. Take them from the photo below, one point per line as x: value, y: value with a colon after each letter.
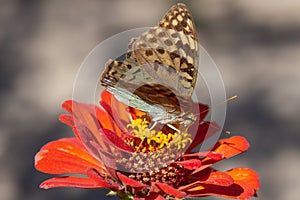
x: 256, y: 45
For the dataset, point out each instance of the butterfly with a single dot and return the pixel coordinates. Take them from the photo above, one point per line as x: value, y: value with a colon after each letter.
x: 159, y: 72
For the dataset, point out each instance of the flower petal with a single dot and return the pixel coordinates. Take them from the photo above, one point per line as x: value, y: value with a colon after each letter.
x: 69, y: 181
x: 240, y: 183
x: 205, y: 177
x: 98, y: 145
x: 66, y: 156
x: 204, y: 131
x: 231, y: 146
x: 247, y: 175
x: 81, y: 114
x: 212, y: 183
x: 67, y: 105
x: 109, y: 122
x: 66, y: 119
x: 131, y: 182
x: 232, y: 191
x: 170, y: 190
x: 93, y: 174
x: 121, y: 113
x: 87, y: 127
x: 190, y: 163
x: 228, y: 147
x: 111, y: 136
x: 116, y: 109
x: 152, y: 196
x: 219, y: 178
x: 246, y: 183
x: 85, y: 114
x: 209, y: 154
x: 202, y: 109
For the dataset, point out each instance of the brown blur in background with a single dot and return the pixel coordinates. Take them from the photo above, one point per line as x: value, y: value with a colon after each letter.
x: 256, y: 45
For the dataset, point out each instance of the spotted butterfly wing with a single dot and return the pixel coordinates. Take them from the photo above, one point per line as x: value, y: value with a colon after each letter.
x: 158, y: 75
x: 173, y: 44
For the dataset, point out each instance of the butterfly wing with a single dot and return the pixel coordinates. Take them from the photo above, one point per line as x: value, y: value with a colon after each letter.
x: 160, y: 63
x: 170, y: 50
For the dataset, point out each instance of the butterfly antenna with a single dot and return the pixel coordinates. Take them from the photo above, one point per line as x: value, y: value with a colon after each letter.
x: 218, y: 104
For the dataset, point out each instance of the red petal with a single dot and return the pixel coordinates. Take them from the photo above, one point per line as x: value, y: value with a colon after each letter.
x: 159, y: 197
x: 202, y: 109
x: 213, y: 183
x: 131, y: 182
x: 87, y: 127
x: 219, y: 178
x: 152, y: 196
x: 67, y: 119
x: 244, y: 187
x: 227, y: 148
x: 209, y: 154
x: 82, y: 114
x: 247, y: 175
x: 136, y: 113
x: 92, y: 181
x: 85, y: 115
x: 170, y: 190
x: 240, y: 183
x: 190, y: 163
x: 106, y: 148
x: 69, y: 181
x: 117, y: 141
x: 233, y: 191
x: 67, y: 105
x: 231, y: 146
x: 116, y: 109
x: 108, y: 122
x: 208, y: 176
x: 90, y: 115
x: 65, y: 156
x: 215, y: 156
x: 106, y: 97
x: 204, y: 131
x: 93, y: 174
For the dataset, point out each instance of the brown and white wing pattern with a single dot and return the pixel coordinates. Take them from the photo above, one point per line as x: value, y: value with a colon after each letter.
x: 170, y: 50
x: 159, y: 72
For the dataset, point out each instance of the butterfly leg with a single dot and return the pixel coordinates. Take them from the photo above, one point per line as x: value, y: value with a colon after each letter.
x: 153, y: 125
x: 174, y: 128
x: 130, y: 117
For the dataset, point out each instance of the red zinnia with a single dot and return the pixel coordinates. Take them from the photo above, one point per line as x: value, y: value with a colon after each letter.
x: 110, y: 138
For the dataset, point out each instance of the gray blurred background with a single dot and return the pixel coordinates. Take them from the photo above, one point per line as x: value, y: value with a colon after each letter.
x: 256, y: 45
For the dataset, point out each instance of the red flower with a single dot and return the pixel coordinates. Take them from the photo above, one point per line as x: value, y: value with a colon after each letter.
x: 110, y: 138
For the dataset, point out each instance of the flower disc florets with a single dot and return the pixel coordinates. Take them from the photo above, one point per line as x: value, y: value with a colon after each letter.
x: 153, y: 149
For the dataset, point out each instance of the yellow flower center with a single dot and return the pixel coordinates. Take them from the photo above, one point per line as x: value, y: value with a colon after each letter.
x: 152, y: 140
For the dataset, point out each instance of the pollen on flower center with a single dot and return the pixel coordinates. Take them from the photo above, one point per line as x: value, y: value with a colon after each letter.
x: 152, y: 140
x: 154, y: 149
x: 140, y: 128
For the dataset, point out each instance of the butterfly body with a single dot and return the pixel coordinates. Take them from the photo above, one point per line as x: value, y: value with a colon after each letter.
x: 159, y: 72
